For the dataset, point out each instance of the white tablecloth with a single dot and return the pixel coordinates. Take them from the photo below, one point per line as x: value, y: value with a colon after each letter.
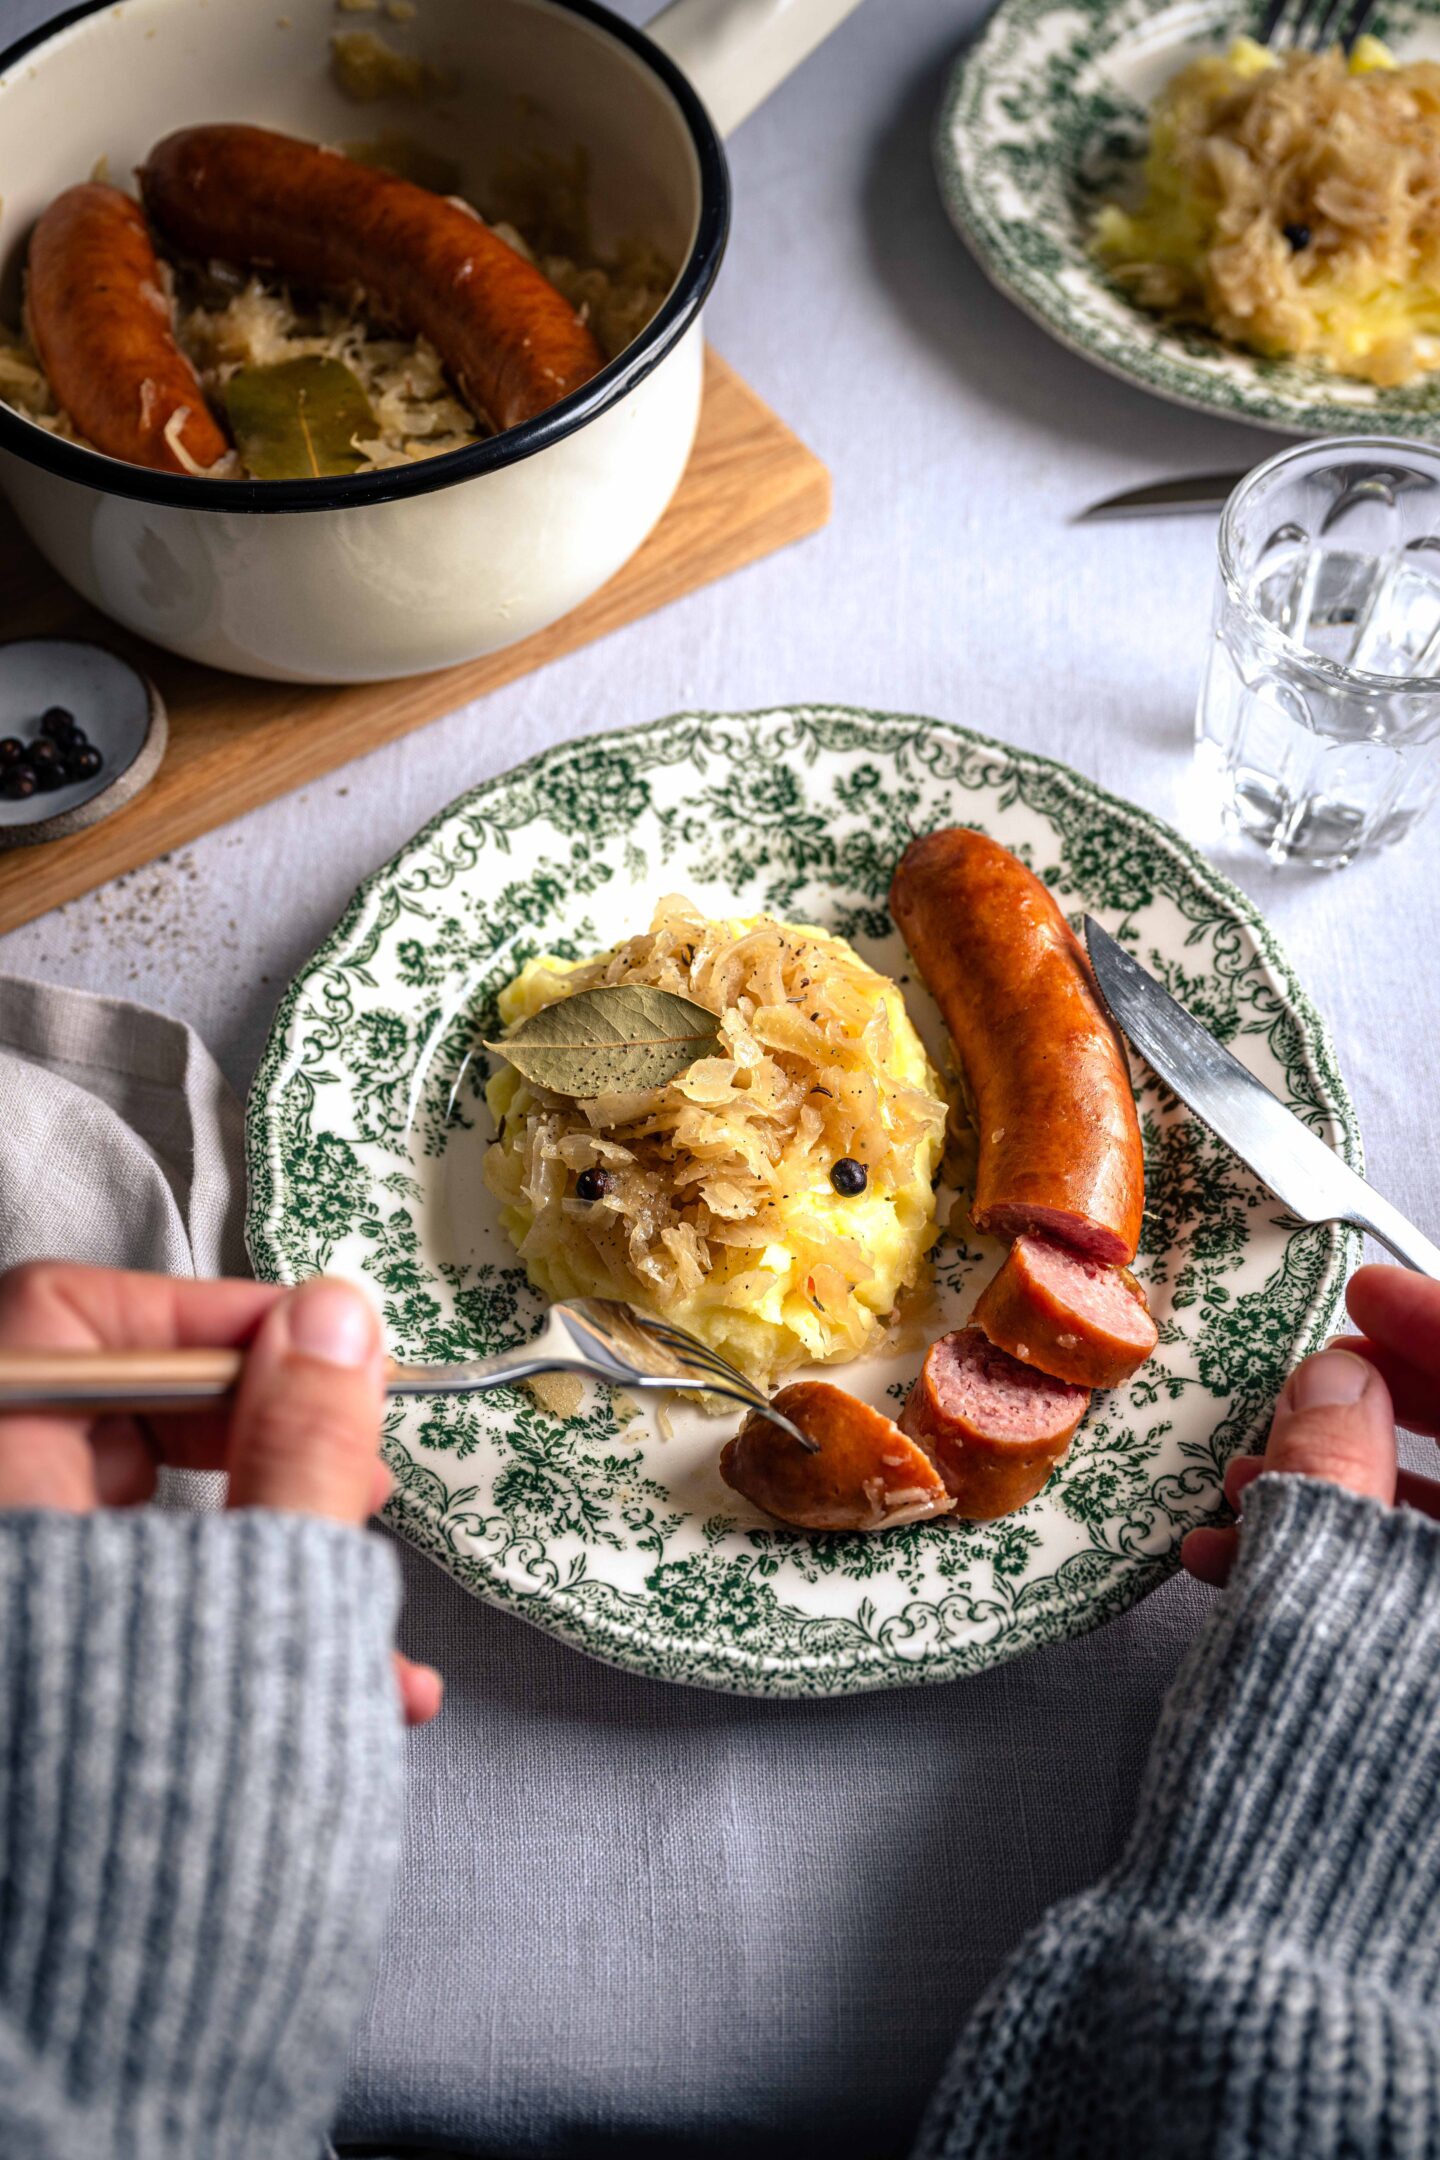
x: 685, y: 1921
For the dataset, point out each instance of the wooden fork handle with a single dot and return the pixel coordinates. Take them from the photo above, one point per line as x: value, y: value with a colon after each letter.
x: 94, y: 1383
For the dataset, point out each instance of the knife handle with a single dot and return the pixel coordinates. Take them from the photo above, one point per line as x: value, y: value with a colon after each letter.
x: 1399, y: 1236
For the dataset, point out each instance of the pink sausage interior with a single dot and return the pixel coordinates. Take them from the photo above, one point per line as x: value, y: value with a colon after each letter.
x: 1090, y: 1238
x: 997, y: 1395
x: 1090, y: 1289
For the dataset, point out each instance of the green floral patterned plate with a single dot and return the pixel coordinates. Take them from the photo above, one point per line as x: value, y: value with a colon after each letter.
x: 367, y: 1129
x: 1044, y: 119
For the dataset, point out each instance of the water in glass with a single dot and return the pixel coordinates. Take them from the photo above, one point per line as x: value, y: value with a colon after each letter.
x: 1319, y: 712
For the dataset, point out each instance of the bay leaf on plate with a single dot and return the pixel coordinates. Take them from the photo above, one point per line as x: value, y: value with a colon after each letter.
x: 298, y: 419
x: 618, y: 1036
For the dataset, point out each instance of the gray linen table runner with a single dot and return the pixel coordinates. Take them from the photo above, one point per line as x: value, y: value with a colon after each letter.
x: 631, y: 1919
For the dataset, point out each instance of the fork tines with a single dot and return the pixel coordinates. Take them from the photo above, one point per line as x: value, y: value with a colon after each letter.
x: 692, y: 1352
x: 1314, y: 25
x: 713, y: 1371
x: 680, y: 1339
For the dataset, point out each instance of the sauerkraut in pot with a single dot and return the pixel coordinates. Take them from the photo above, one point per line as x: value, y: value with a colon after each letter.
x: 1292, y: 204
x: 225, y: 320
x: 717, y: 1206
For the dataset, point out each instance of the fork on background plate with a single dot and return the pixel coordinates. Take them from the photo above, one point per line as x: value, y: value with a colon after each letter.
x: 1312, y: 25
x: 598, y: 1338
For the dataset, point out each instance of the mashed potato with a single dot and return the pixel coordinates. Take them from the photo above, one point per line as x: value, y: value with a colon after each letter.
x: 719, y: 1211
x: 1293, y: 205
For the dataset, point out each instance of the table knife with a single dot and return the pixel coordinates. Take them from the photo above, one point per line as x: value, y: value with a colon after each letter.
x: 1165, y: 498
x: 1304, y: 1174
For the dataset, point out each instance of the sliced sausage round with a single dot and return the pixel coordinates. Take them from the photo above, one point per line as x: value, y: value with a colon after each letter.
x: 99, y: 319
x: 1060, y: 1149
x: 867, y: 1476
x: 995, y: 1428
x: 512, y: 343
x: 1066, y: 1315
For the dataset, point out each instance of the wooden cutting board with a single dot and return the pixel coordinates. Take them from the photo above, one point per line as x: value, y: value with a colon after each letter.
x: 751, y: 486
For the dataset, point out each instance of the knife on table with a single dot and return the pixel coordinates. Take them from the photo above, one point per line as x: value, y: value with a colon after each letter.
x: 1304, y: 1174
x: 1165, y: 498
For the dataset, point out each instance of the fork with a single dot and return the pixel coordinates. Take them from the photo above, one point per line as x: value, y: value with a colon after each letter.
x: 1313, y: 25
x: 597, y: 1337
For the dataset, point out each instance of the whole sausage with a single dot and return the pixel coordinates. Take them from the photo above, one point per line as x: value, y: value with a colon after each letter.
x: 867, y: 1475
x: 99, y: 319
x: 994, y: 1428
x: 513, y: 345
x: 1059, y: 1140
x: 1066, y: 1315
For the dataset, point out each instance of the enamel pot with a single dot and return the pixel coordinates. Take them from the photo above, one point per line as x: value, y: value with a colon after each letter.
x: 389, y: 573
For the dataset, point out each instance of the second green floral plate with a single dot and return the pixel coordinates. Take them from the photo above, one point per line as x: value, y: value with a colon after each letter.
x: 1044, y: 120
x: 367, y: 1130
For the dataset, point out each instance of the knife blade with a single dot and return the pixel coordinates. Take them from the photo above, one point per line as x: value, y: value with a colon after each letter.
x: 1305, y: 1175
x: 1165, y: 498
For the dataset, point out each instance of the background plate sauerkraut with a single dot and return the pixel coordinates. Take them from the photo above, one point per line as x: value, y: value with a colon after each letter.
x: 368, y: 1133
x: 1045, y: 120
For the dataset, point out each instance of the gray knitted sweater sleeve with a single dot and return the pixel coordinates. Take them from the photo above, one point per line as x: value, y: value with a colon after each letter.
x: 199, y: 1812
x: 1257, y: 1979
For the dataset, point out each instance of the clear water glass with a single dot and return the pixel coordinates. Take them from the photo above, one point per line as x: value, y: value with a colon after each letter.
x: 1319, y: 715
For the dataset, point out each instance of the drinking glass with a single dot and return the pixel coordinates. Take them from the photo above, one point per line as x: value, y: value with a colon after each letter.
x: 1319, y: 712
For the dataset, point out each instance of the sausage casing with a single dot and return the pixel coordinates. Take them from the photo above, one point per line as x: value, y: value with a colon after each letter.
x: 1060, y: 1149
x: 99, y: 319
x: 867, y: 1475
x: 511, y: 342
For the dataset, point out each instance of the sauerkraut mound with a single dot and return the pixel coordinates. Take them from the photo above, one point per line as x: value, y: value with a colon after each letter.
x: 1293, y: 205
x: 719, y: 1212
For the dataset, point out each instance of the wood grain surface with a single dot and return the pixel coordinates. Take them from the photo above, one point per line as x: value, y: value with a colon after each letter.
x: 751, y: 486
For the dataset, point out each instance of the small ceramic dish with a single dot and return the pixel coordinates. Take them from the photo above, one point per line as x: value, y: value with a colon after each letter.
x: 1045, y: 119
x: 120, y: 711
x: 367, y: 1133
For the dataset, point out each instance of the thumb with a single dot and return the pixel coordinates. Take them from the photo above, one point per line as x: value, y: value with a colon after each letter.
x: 305, y: 1430
x: 1334, y: 1421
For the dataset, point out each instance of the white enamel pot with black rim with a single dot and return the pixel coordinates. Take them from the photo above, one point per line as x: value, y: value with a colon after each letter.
x: 392, y: 572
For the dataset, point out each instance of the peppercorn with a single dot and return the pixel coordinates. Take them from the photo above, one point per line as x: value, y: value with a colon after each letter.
x: 849, y: 1177
x: 1298, y: 236
x: 593, y: 1184
x: 43, y: 759
x: 57, y: 723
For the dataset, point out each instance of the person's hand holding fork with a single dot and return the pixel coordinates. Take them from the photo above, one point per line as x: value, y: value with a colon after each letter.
x: 302, y: 1434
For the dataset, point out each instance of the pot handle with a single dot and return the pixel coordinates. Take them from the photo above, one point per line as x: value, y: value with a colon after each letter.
x: 736, y: 52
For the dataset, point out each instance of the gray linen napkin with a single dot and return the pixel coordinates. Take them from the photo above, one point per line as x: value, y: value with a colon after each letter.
x: 120, y: 1141
x: 120, y: 1144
